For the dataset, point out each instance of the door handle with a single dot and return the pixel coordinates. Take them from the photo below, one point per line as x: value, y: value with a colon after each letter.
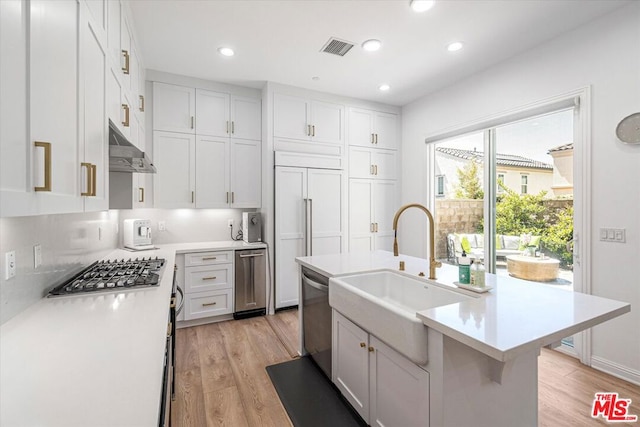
x: 311, y: 227
x: 251, y: 255
x: 94, y: 180
x: 47, y: 166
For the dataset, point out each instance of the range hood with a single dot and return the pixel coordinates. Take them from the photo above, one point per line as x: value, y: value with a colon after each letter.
x: 124, y: 156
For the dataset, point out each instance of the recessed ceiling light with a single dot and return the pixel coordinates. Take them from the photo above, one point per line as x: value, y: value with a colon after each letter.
x: 421, y: 5
x: 455, y: 46
x: 371, y: 45
x: 384, y: 87
x: 226, y: 51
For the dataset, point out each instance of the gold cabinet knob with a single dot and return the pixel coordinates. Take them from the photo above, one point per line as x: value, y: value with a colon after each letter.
x: 421, y: 274
x: 363, y: 345
x: 371, y: 349
x: 401, y: 268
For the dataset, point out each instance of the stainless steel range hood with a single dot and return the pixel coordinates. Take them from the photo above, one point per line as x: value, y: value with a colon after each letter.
x: 124, y: 156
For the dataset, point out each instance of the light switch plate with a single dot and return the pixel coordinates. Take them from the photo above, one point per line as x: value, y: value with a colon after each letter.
x: 617, y: 235
x: 10, y: 264
x: 162, y: 226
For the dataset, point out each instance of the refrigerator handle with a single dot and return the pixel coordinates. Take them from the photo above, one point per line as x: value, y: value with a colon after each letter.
x: 311, y: 227
x: 306, y: 227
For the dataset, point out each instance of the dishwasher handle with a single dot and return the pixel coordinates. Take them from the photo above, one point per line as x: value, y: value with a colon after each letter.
x: 251, y: 255
x: 314, y: 284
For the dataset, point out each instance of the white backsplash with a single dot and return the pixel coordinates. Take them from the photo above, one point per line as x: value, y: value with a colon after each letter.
x: 187, y: 225
x: 69, y: 242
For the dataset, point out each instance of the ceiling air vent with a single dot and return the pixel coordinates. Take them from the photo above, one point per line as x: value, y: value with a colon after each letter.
x: 337, y: 47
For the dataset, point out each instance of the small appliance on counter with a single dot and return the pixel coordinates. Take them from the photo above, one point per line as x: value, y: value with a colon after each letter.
x: 137, y: 234
x: 251, y: 227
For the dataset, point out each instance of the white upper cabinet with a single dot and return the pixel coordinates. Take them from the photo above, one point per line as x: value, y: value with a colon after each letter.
x: 307, y: 120
x: 53, y: 105
x: 212, y: 172
x: 376, y: 129
x: 114, y: 16
x: 372, y: 163
x: 246, y: 118
x: 174, y: 108
x: 246, y: 174
x: 174, y: 157
x: 212, y: 113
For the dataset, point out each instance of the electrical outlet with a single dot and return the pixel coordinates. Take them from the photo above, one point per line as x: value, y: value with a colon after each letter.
x: 162, y: 226
x: 37, y: 256
x: 10, y: 265
x: 230, y: 223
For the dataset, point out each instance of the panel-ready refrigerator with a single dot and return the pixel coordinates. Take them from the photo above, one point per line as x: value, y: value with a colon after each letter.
x: 250, y: 283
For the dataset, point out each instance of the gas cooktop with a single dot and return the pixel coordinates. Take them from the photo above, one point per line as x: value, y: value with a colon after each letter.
x: 112, y: 276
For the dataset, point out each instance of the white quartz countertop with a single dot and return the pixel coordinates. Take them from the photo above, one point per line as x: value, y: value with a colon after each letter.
x: 515, y: 317
x: 92, y: 359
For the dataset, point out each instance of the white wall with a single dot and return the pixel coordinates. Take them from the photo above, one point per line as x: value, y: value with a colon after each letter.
x: 603, y: 55
x: 69, y: 242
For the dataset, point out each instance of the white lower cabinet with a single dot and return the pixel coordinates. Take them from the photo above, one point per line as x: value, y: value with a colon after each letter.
x: 208, y: 284
x: 383, y: 386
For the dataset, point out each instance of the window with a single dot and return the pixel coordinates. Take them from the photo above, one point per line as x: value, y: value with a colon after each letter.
x: 440, y: 186
x: 524, y: 181
x: 500, y: 180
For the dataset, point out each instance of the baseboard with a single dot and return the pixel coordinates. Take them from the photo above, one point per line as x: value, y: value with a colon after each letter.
x: 197, y: 322
x: 615, y: 369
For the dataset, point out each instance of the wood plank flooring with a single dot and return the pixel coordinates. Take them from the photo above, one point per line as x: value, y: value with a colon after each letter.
x: 221, y: 378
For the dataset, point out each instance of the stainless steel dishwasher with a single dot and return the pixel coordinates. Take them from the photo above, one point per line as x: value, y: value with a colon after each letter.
x: 316, y: 318
x: 250, y: 283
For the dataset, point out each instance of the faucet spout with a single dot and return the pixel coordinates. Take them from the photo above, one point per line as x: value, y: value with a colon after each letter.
x: 433, y: 264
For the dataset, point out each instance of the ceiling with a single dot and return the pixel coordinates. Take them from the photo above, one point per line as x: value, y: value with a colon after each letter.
x: 280, y: 41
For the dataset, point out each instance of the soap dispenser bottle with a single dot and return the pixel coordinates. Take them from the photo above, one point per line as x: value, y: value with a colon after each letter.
x: 464, y: 269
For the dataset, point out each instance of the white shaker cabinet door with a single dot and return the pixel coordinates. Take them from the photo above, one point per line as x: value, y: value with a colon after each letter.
x: 290, y: 232
x: 212, y: 172
x: 114, y: 16
x: 350, y: 363
x: 325, y: 192
x: 291, y: 117
x: 360, y: 163
x: 54, y: 104
x: 360, y: 215
x: 386, y: 130
x: 246, y: 173
x: 327, y: 122
x: 174, y: 108
x: 93, y: 115
x: 174, y: 158
x: 212, y: 113
x: 246, y: 118
x: 399, y: 389
x: 384, y: 164
x: 385, y: 196
x: 361, y: 127
x: 16, y: 192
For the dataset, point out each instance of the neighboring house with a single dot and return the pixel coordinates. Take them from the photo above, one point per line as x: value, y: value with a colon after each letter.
x: 524, y: 176
x: 562, y: 169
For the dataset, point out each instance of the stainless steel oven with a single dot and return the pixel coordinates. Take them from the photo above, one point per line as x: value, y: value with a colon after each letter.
x: 316, y: 318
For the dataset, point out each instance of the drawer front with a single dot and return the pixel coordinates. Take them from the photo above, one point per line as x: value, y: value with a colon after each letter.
x: 208, y: 304
x: 208, y: 278
x: 207, y: 258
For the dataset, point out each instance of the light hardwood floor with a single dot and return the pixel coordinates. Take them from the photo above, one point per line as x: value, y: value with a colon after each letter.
x: 221, y: 378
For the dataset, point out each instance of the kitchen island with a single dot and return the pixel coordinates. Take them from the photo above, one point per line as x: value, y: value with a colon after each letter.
x: 482, y: 351
x: 92, y: 359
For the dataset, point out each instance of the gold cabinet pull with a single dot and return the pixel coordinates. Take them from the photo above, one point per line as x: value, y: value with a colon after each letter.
x: 233, y: 126
x: 363, y: 345
x: 371, y: 170
x: 227, y: 126
x: 233, y: 196
x: 94, y: 180
x: 371, y: 349
x: 376, y: 139
x: 140, y: 195
x: 125, y: 68
x: 313, y: 130
x: 125, y: 122
x: 373, y: 140
x: 371, y: 227
x: 375, y: 227
x: 227, y: 197
x: 207, y: 304
x: 47, y: 165
x: 141, y: 107
x: 209, y: 278
x: 169, y: 329
x: 209, y: 258
x: 193, y: 122
x: 375, y: 169
x: 308, y: 130
x: 193, y: 197
x: 89, y: 187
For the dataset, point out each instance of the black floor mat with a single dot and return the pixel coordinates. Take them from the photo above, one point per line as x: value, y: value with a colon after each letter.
x: 309, y: 397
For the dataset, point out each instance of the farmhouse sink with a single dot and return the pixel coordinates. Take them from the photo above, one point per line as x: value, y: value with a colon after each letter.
x: 385, y: 304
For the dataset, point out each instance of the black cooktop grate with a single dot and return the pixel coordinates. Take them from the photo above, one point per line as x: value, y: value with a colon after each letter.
x: 113, y: 275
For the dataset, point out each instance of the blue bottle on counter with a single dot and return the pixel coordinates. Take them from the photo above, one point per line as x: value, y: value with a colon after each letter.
x: 464, y: 269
